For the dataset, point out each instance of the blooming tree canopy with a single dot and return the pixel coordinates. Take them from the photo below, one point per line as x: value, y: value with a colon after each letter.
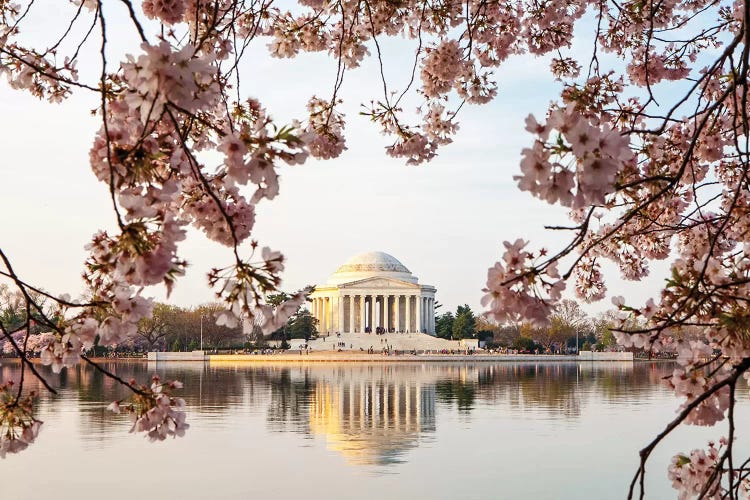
x: 647, y: 146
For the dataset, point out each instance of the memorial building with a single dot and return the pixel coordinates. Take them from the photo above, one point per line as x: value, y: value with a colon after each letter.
x: 374, y: 292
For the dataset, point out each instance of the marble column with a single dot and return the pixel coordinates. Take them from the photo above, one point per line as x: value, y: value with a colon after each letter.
x: 330, y: 314
x: 397, y: 307
x: 431, y: 317
x: 327, y: 313
x: 321, y: 311
x: 427, y: 314
x: 334, y: 314
x: 421, y: 313
x: 367, y: 318
x: 321, y: 318
x: 408, y: 313
x: 323, y: 315
x: 351, y: 313
x: 340, y: 316
x: 386, y: 310
x: 362, y: 313
x: 375, y: 314
x: 371, y: 311
x: 381, y: 318
x: 418, y: 313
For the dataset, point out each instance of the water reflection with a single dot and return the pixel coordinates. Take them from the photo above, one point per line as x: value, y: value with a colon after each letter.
x: 371, y: 414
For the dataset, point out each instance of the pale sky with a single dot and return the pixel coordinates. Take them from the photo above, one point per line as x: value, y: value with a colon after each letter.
x: 445, y: 220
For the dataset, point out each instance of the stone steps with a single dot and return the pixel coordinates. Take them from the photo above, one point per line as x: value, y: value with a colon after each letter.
x: 396, y: 341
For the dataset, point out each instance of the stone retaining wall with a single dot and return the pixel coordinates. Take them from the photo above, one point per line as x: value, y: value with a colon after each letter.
x: 177, y: 356
x: 322, y: 357
x: 333, y: 357
x: 605, y: 356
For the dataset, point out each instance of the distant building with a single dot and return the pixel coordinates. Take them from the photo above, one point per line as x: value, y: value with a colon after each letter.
x: 374, y: 291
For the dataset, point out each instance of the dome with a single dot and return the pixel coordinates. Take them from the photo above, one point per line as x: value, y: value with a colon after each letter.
x: 371, y: 264
x: 373, y: 261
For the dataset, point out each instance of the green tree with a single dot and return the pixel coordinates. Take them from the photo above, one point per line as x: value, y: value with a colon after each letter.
x: 602, y: 327
x: 524, y: 344
x: 556, y: 333
x: 13, y: 311
x: 302, y: 325
x: 153, y: 331
x: 444, y: 325
x: 464, y: 326
x: 275, y: 299
x: 176, y: 345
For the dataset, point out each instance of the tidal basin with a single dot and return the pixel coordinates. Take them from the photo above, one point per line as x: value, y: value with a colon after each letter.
x: 360, y: 430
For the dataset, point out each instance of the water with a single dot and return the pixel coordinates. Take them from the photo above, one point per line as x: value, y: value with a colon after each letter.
x: 360, y: 430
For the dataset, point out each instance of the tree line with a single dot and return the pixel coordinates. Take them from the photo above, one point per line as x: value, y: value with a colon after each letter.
x: 175, y: 328
x: 569, y: 326
x: 169, y: 328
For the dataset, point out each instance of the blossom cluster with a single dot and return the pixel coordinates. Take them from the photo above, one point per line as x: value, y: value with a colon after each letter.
x: 516, y: 290
x: 574, y: 161
x: 324, y: 132
x: 18, y: 427
x: 696, y: 474
x: 33, y: 342
x: 154, y: 410
x: 235, y: 288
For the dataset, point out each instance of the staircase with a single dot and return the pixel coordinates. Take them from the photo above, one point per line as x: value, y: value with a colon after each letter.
x: 396, y: 341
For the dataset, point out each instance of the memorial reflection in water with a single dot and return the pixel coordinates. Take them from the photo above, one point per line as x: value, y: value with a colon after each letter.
x: 372, y: 420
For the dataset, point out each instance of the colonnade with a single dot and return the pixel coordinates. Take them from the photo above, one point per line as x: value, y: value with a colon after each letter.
x: 386, y: 406
x: 368, y: 311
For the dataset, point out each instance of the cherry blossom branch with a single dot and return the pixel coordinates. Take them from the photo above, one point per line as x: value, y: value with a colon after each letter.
x: 113, y: 376
x: 739, y: 369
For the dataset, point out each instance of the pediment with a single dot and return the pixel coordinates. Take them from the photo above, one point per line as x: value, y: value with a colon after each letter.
x: 384, y: 283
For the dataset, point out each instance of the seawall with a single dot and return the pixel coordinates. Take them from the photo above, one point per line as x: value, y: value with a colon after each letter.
x: 330, y: 356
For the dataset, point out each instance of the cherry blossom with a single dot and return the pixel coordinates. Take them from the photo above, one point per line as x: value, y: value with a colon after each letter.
x: 645, y: 147
x: 18, y: 427
x: 154, y: 410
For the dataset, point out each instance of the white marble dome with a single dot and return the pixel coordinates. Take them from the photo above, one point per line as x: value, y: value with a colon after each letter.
x: 369, y: 265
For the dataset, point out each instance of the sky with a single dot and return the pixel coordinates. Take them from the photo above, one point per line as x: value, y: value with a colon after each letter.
x: 444, y: 220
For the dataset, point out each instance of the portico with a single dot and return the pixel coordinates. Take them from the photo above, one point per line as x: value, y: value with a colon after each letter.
x: 374, y: 292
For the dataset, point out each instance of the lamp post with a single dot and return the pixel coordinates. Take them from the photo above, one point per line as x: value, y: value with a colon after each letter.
x: 201, y: 333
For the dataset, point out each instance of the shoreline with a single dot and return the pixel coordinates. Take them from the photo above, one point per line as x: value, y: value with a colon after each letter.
x: 360, y: 357
x: 356, y: 357
x: 346, y: 357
